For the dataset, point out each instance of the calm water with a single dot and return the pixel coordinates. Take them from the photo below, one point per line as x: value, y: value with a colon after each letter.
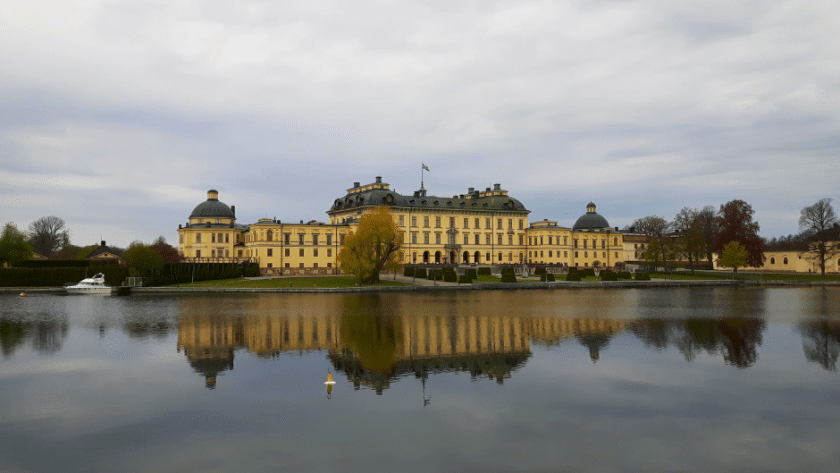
x: 705, y: 379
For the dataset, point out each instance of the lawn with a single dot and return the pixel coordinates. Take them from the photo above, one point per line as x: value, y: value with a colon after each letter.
x: 327, y: 281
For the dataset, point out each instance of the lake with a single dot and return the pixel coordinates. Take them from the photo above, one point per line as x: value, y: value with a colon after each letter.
x: 605, y: 380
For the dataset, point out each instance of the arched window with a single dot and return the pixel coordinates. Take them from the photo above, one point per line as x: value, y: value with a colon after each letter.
x: 785, y: 260
x: 772, y: 260
x: 269, y: 235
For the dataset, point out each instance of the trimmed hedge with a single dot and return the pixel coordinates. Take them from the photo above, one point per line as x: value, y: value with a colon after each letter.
x: 573, y: 276
x: 484, y: 272
x: 408, y: 271
x: 547, y: 277
x: 472, y: 273
x: 182, y: 273
x: 434, y: 274
x: 539, y: 271
x: 57, y: 277
x: 464, y: 279
x: 624, y: 275
x: 587, y: 273
x: 642, y: 276
x: 508, y: 275
x: 450, y: 276
x: 63, y: 263
x: 420, y: 272
x: 608, y: 276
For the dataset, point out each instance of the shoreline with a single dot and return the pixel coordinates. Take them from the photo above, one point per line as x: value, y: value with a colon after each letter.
x: 666, y: 283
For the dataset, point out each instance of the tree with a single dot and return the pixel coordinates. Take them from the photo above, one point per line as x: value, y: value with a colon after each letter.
x: 736, y: 224
x: 709, y: 223
x: 372, y: 246
x: 47, y: 235
x: 85, y: 251
x: 733, y: 256
x: 13, y: 245
x: 819, y: 220
x: 166, y: 251
x: 654, y: 228
x: 142, y: 260
x: 691, y: 235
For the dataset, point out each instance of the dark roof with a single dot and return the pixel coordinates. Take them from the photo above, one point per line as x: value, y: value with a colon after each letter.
x: 829, y: 234
x: 591, y: 220
x: 212, y: 208
x: 104, y: 249
x: 389, y: 198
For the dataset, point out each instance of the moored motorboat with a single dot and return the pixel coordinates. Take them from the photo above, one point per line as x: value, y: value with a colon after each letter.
x: 94, y: 285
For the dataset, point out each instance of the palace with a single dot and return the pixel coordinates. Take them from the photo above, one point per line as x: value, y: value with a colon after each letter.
x: 479, y: 227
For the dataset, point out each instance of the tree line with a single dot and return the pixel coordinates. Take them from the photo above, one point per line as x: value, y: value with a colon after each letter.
x: 697, y: 235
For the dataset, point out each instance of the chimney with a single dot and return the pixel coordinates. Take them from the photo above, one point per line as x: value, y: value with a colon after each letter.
x: 233, y: 210
x: 356, y: 184
x: 103, y: 242
x: 470, y: 190
x: 379, y: 179
x: 497, y: 187
x: 488, y: 190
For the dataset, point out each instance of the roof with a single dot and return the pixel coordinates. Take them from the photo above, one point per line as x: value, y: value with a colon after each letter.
x: 830, y: 234
x: 104, y: 249
x: 591, y: 220
x: 389, y: 198
x: 212, y: 208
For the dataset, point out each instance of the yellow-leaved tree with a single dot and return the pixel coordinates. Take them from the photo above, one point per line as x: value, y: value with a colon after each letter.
x: 373, y: 246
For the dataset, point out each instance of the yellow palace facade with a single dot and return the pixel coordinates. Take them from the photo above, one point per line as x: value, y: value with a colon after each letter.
x: 486, y: 227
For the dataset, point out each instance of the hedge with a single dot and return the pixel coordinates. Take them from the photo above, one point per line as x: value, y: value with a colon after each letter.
x: 420, y: 273
x: 182, y: 273
x: 484, y: 272
x: 450, y: 276
x: 464, y: 279
x: 472, y: 273
x: 63, y: 263
x: 547, y: 277
x: 539, y: 271
x: 508, y: 275
x: 435, y: 274
x: 642, y: 276
x: 57, y: 277
x: 408, y: 271
x: 624, y: 275
x: 573, y: 276
x: 609, y: 276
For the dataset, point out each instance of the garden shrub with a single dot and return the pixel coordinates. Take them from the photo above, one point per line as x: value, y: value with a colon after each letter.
x: 508, y: 275
x: 472, y: 273
x: 539, y: 271
x: 484, y: 272
x: 435, y: 274
x: 573, y: 276
x: 420, y: 272
x: 547, y: 277
x: 464, y: 279
x: 608, y: 276
x: 450, y: 276
x: 624, y: 275
x: 408, y: 271
x: 642, y: 276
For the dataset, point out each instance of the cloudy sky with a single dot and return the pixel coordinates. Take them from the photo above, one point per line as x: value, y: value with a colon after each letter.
x: 118, y: 116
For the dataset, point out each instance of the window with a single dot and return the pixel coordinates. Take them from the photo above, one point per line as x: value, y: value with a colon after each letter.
x: 541, y: 240
x: 585, y: 243
x: 269, y: 265
x: 341, y: 239
x: 499, y: 224
x: 487, y: 257
x: 300, y: 252
x: 269, y: 236
x: 451, y: 222
x: 466, y: 222
x: 521, y: 239
x: 510, y: 257
x: 213, y: 253
x: 541, y: 254
x: 603, y: 244
x: 487, y: 223
x: 603, y: 254
x: 329, y: 239
x: 437, y: 222
x: 586, y: 254
x: 212, y: 238
x: 510, y: 240
x: 426, y: 221
x: 500, y: 257
x: 287, y: 265
x: 521, y: 223
x: 198, y: 253
x: 287, y: 238
x: 565, y: 240
x: 314, y: 265
x: 500, y: 238
x: 315, y: 252
x: 315, y: 239
x: 402, y: 220
x: 549, y: 241
x: 615, y: 241
x: 565, y: 254
x: 576, y: 254
x: 301, y: 265
x: 227, y: 237
x: 240, y: 253
x: 785, y: 261
x: 477, y: 238
x: 477, y: 222
x: 616, y: 254
x: 426, y: 238
x: 487, y: 239
x: 270, y: 252
x: 549, y: 253
x: 414, y: 238
x: 772, y: 260
x: 198, y: 237
x: 437, y: 238
x: 466, y: 238
x: 287, y: 252
x: 413, y: 221
x: 329, y: 265
x: 300, y: 238
x: 510, y: 224
x: 329, y: 252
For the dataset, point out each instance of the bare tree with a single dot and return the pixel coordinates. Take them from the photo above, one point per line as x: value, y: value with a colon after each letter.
x: 47, y: 235
x: 708, y: 221
x: 692, y: 242
x: 654, y: 228
x: 819, y: 219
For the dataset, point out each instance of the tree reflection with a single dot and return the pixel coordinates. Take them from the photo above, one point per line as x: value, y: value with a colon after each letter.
x: 595, y: 343
x: 821, y: 342
x: 369, y: 330
x: 45, y: 336
x: 12, y: 335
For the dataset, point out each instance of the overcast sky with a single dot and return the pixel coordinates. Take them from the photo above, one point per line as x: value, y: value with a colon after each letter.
x: 118, y: 116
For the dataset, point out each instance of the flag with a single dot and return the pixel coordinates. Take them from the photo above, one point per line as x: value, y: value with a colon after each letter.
x: 425, y: 167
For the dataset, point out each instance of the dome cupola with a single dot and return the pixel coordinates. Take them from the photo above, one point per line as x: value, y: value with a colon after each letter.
x: 591, y: 220
x: 212, y: 207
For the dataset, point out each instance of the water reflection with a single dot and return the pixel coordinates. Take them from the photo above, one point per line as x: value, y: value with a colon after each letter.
x: 43, y: 332
x: 821, y: 342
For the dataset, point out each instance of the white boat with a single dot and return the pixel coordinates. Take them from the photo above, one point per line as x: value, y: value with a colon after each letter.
x: 94, y: 285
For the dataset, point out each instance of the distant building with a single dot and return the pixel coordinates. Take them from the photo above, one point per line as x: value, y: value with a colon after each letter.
x: 479, y: 227
x: 106, y: 253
